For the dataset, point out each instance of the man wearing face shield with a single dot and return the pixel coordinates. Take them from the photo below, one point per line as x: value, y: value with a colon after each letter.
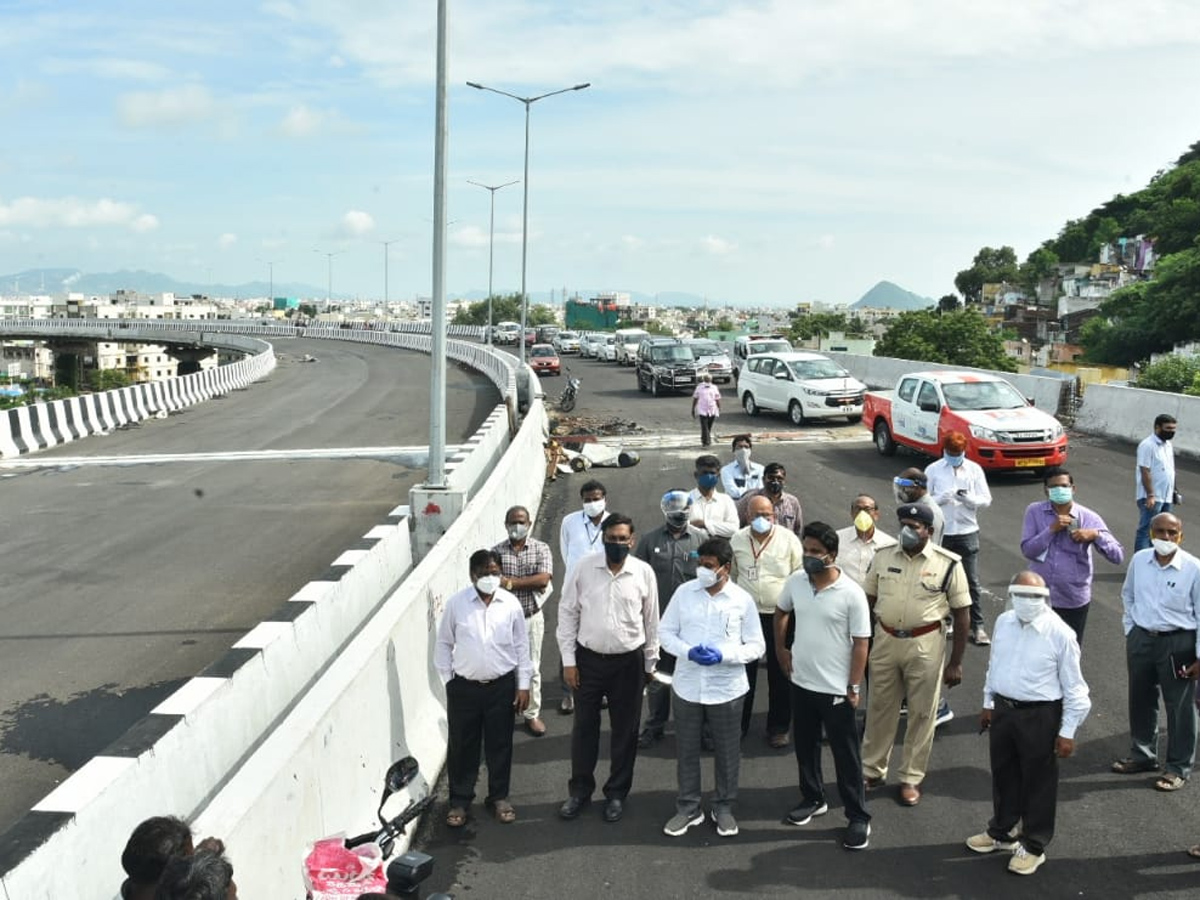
x: 712, y: 626
x: 911, y: 588
x: 671, y: 550
x: 741, y: 476
x: 1161, y: 596
x: 911, y: 486
x: 526, y: 568
x: 1034, y: 699
x: 826, y: 665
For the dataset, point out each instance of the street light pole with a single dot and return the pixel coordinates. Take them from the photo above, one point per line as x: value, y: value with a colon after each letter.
x: 492, y: 250
x: 386, y: 244
x: 528, y: 101
x: 271, y: 276
x: 437, y: 344
x: 329, y: 255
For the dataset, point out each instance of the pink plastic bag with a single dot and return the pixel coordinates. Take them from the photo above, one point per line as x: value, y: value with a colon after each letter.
x: 332, y: 870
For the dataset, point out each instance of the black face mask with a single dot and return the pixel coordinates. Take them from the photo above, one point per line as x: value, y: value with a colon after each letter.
x: 677, y: 520
x: 774, y: 487
x: 1167, y: 435
x: 615, y: 553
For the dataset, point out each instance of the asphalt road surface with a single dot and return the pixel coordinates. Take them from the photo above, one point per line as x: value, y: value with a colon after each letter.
x: 1117, y: 837
x: 122, y: 582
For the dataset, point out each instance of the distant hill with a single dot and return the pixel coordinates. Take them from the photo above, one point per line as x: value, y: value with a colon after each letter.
x: 54, y: 281
x: 886, y: 295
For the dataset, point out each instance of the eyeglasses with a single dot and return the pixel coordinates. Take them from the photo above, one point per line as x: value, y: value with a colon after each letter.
x: 864, y: 508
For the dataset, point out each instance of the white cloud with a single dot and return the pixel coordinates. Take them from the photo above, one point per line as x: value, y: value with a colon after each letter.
x: 826, y: 242
x: 273, y: 243
x: 301, y: 121
x: 117, y: 68
x: 335, y: 62
x: 71, y: 212
x: 227, y: 240
x: 717, y: 246
x: 475, y: 236
x: 169, y: 108
x: 356, y: 223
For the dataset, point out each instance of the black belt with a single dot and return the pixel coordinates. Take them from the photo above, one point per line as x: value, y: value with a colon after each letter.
x: 1023, y: 704
x: 508, y: 674
x: 609, y: 655
x: 1171, y: 633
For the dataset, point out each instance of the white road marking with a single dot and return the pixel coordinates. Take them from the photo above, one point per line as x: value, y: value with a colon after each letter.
x: 412, y: 455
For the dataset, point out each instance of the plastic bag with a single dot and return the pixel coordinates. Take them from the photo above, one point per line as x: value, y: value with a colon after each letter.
x: 332, y: 870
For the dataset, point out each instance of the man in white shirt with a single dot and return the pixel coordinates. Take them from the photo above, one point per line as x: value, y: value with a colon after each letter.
x: 713, y: 513
x: 858, y: 542
x: 579, y: 535
x: 1034, y: 699
x: 826, y: 664
x: 608, y: 637
x: 764, y: 555
x: 711, y: 625
x: 1155, y: 476
x: 741, y: 476
x: 960, y: 488
x: 1161, y: 596
x: 482, y: 657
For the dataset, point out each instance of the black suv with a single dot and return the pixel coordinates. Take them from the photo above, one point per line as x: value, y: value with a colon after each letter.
x: 665, y: 364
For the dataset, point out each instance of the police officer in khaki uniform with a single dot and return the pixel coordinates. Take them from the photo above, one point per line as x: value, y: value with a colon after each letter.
x: 911, y: 588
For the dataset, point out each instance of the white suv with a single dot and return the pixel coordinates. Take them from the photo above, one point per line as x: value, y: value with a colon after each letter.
x: 804, y: 385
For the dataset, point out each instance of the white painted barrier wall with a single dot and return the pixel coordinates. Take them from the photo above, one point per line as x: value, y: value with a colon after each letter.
x: 1128, y: 413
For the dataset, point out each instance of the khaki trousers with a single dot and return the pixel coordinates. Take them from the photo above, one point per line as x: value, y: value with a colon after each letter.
x: 903, y: 667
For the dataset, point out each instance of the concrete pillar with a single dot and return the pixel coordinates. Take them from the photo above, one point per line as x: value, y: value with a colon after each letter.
x: 433, y: 511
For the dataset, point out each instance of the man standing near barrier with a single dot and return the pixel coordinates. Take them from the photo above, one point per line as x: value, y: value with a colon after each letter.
x: 608, y: 638
x: 482, y: 656
x: 1155, y: 477
x: 527, y: 567
x: 579, y: 535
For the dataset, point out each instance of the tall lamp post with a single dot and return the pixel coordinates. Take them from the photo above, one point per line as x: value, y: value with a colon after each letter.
x: 528, y: 101
x: 329, y: 255
x: 271, y: 277
x: 491, y: 189
x: 386, y: 244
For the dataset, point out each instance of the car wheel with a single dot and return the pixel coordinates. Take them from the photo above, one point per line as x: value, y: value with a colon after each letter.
x: 796, y: 413
x: 749, y: 405
x: 641, y: 383
x: 853, y: 420
x: 883, y: 439
x: 655, y: 387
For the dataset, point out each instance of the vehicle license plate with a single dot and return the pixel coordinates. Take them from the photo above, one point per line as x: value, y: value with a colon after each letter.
x: 1029, y: 463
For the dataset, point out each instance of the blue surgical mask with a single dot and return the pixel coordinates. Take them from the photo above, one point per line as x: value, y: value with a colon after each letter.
x: 761, y: 525
x: 1060, y: 494
x: 955, y: 461
x: 707, y: 481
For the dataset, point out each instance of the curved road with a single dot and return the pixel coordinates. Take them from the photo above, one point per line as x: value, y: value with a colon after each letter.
x: 122, y: 582
x: 1116, y: 836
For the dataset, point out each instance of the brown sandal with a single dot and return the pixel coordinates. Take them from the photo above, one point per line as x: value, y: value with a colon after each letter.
x: 456, y: 817
x: 504, y: 812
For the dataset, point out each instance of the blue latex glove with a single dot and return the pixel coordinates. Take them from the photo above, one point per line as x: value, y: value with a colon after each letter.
x: 714, y: 656
x: 696, y: 654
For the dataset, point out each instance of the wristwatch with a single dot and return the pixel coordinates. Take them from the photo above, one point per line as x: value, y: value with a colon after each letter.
x: 854, y: 688
x: 509, y: 587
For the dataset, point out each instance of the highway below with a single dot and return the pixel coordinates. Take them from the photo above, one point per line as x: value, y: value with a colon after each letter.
x: 1116, y: 836
x: 121, y: 582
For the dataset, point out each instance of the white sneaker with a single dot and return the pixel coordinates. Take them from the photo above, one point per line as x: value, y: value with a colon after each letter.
x: 727, y: 825
x: 1025, y: 863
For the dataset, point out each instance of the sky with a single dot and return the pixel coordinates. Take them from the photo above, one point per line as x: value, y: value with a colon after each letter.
x: 763, y: 151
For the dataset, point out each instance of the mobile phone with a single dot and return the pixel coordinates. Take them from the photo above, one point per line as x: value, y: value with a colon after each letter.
x: 1074, y: 526
x: 1179, y: 665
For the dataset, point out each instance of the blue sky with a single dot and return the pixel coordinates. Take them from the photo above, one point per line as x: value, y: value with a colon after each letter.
x: 766, y: 151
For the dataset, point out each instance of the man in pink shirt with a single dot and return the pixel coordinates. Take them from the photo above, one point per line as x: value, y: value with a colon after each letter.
x: 706, y: 406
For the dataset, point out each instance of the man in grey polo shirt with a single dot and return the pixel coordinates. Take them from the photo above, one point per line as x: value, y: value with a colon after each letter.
x: 826, y: 663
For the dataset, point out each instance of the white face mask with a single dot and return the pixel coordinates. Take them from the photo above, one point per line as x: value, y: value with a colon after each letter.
x: 706, y: 576
x: 488, y: 584
x: 518, y: 532
x: 1164, y: 548
x: 761, y: 525
x: 1028, y: 602
x: 742, y: 455
x: 594, y: 508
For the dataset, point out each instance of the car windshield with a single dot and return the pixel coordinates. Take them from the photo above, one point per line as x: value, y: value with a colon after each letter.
x: 706, y: 348
x: 806, y: 369
x: 770, y: 347
x: 982, y: 395
x: 677, y: 353
x: 567, y: 336
x: 542, y: 351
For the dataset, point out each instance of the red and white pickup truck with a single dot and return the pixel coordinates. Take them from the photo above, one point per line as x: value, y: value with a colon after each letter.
x: 1003, y: 429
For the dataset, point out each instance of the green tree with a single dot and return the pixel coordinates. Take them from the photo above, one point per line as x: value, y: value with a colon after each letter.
x: 959, y: 338
x: 1040, y: 264
x: 809, y: 326
x: 505, y: 308
x: 1171, y: 373
x: 948, y: 303
x: 308, y: 310
x: 991, y: 265
x: 109, y: 379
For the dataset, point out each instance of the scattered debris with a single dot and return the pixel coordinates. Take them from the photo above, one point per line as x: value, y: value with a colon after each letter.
x: 596, y: 426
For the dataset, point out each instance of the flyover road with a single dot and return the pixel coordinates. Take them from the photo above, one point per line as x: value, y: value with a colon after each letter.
x: 1117, y: 837
x: 122, y: 582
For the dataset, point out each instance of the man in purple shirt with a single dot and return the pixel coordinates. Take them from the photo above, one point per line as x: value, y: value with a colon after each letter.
x: 1057, y: 539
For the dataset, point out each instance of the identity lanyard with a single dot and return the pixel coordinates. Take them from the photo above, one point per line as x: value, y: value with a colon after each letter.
x: 587, y: 529
x: 762, y: 547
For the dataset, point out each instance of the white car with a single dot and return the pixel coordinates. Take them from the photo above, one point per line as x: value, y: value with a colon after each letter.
x: 804, y: 385
x: 566, y: 342
x: 592, y: 344
x: 608, y: 350
x: 712, y: 359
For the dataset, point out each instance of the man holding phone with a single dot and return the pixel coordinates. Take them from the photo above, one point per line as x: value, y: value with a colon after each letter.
x: 1161, y: 596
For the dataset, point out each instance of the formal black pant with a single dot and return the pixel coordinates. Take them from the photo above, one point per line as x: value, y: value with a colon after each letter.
x: 479, y: 714
x: 779, y: 702
x: 706, y: 426
x: 967, y: 547
x: 1024, y: 772
x: 1076, y: 617
x: 1148, y: 657
x: 810, y: 711
x: 620, y: 677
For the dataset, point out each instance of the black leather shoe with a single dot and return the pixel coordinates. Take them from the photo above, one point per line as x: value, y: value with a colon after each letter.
x: 613, y: 810
x: 572, y: 807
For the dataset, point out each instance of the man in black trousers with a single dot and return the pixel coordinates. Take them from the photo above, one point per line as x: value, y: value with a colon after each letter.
x: 482, y: 656
x: 608, y: 637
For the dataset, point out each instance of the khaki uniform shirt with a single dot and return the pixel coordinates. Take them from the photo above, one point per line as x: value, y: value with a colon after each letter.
x: 908, y: 590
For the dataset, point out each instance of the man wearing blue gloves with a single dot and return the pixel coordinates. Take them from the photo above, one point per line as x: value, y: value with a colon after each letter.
x: 711, y: 625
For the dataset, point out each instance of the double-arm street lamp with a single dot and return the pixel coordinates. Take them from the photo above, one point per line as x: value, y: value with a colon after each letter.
x: 528, y: 101
x: 329, y: 255
x: 491, y: 189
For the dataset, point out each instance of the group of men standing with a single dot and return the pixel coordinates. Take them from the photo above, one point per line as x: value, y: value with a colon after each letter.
x: 686, y: 613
